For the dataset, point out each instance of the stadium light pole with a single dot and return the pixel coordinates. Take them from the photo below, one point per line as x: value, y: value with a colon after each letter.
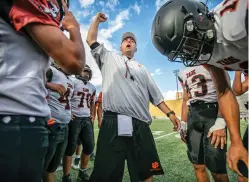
x: 176, y: 72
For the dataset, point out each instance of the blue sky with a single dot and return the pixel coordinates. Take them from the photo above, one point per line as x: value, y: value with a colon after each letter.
x: 135, y: 16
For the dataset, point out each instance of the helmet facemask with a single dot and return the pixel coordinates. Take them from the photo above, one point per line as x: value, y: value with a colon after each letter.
x: 86, y: 75
x: 196, y: 46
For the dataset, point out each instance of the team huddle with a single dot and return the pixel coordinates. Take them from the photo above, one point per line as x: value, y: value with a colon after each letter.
x: 47, y: 104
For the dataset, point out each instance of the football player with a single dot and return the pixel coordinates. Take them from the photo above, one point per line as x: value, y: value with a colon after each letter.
x: 185, y: 31
x: 239, y: 88
x: 78, y: 149
x: 76, y: 161
x: 81, y: 127
x: 30, y: 34
x: 60, y: 91
x: 200, y: 111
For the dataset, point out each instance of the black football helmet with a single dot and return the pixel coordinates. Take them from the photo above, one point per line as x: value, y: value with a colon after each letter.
x: 183, y: 30
x: 85, y: 78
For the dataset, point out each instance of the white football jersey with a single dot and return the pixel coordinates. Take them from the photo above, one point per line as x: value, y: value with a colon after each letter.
x: 60, y: 105
x: 231, y: 49
x: 198, y: 84
x: 82, y: 97
x: 243, y: 102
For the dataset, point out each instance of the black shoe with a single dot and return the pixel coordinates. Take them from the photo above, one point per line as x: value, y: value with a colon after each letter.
x: 83, y: 176
x: 76, y: 163
x: 67, y: 178
x: 92, y: 157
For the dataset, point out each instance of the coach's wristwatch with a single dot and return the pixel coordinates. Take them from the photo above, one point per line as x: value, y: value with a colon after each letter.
x: 169, y: 113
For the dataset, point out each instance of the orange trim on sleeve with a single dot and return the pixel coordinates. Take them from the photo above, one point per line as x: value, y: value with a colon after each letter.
x: 24, y: 12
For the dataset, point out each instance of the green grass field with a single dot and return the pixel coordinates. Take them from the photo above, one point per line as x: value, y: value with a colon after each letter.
x: 172, y: 153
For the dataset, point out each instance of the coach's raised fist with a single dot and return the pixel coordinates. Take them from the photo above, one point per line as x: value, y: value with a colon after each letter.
x: 100, y: 17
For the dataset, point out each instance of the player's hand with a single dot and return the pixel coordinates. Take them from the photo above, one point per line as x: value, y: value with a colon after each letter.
x: 183, y: 131
x: 99, y: 124
x: 60, y: 89
x: 92, y: 119
x: 100, y: 17
x: 235, y: 153
x: 218, y: 138
x: 218, y: 133
x: 57, y: 88
x: 72, y: 117
x: 176, y: 122
x: 69, y: 21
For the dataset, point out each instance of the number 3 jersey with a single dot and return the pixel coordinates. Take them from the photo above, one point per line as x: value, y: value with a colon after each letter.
x: 198, y: 83
x: 231, y: 24
x: 83, y: 95
x: 60, y: 105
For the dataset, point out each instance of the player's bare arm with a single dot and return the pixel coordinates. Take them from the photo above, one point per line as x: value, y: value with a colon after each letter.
x: 184, y: 115
x: 230, y: 111
x: 165, y: 109
x: 93, y: 30
x: 99, y: 113
x: 92, y: 110
x: 239, y: 87
x: 217, y: 132
x: 56, y: 87
x: 227, y: 101
x: 52, y: 86
x: 69, y: 54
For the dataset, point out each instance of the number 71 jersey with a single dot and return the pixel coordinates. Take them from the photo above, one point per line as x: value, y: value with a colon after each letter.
x: 83, y: 96
x: 198, y: 83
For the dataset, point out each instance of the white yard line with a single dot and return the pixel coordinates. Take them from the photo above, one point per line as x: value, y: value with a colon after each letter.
x: 165, y: 135
x: 157, y: 132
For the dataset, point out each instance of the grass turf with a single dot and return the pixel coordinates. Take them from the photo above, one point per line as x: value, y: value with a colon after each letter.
x: 172, y: 153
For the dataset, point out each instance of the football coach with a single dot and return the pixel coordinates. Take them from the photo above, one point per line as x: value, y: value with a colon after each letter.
x: 125, y: 132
